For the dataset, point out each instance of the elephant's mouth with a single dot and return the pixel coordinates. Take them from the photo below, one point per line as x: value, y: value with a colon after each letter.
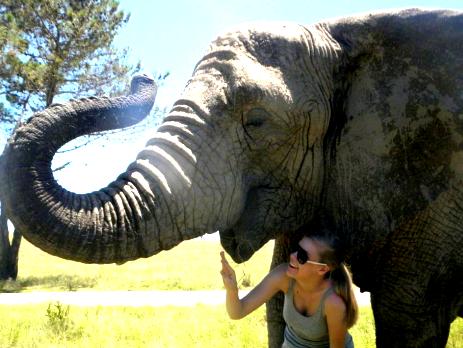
x: 251, y: 230
x: 268, y: 211
x: 239, y: 248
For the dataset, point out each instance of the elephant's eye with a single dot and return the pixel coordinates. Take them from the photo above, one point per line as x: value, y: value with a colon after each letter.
x: 256, y: 117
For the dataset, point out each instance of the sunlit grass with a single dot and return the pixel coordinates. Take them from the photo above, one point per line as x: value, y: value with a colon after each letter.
x: 56, y: 325
x: 200, y: 326
x: 456, y: 334
x: 192, y: 265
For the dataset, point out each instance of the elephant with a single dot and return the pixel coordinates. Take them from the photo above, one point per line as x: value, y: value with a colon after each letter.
x: 355, y: 123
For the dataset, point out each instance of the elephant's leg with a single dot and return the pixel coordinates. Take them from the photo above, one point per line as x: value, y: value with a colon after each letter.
x: 275, y: 321
x: 397, y: 326
x: 418, y: 290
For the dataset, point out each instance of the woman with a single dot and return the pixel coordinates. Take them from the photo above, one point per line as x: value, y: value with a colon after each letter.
x: 319, y: 305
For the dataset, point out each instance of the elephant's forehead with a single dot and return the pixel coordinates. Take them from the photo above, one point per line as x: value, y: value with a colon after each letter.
x: 244, y: 83
x: 270, y: 43
x: 251, y: 78
x: 240, y: 78
x: 278, y: 42
x: 247, y: 32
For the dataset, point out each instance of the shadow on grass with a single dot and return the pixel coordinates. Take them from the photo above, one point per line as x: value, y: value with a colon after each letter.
x: 58, y: 282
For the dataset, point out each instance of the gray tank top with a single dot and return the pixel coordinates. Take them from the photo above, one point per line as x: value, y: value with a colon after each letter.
x: 307, y: 331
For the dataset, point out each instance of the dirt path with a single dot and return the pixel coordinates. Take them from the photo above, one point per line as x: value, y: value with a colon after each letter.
x: 131, y: 298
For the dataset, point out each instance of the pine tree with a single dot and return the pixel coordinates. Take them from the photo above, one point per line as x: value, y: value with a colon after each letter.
x: 59, y: 47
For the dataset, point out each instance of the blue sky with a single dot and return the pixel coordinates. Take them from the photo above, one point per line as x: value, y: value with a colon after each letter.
x: 171, y: 36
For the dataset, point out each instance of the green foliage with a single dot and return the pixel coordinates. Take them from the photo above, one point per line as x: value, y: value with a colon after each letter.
x: 60, y: 324
x: 58, y: 317
x: 245, y: 280
x: 50, y: 48
x: 6, y: 116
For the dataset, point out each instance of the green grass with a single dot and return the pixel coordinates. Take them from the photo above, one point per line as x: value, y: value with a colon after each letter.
x: 192, y: 265
x: 55, y: 325
x: 363, y: 331
x: 456, y: 334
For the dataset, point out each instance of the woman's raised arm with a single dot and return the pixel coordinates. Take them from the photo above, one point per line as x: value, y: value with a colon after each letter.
x: 275, y: 281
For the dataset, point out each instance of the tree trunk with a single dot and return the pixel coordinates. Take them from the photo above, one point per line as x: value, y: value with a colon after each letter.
x: 8, y: 251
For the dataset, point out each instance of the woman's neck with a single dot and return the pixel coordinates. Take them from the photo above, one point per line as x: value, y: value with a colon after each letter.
x: 313, y: 285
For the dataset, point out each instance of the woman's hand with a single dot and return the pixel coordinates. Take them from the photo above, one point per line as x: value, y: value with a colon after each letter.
x: 238, y: 308
x: 228, y: 274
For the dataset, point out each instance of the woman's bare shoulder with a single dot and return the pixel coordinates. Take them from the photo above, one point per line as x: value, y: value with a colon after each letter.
x: 280, y: 277
x: 335, y: 303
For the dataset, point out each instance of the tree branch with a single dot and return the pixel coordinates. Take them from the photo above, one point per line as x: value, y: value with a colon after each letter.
x: 61, y: 167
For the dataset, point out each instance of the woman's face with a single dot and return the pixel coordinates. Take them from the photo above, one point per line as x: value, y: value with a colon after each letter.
x: 305, y: 261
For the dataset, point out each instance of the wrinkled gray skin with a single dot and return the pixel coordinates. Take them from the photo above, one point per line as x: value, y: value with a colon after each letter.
x: 358, y: 122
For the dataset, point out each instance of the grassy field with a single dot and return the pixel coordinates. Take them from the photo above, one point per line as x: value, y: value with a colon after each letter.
x: 114, y: 327
x: 192, y: 265
x: 55, y: 325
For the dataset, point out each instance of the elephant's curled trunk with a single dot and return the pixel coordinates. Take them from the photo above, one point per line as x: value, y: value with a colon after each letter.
x: 99, y: 227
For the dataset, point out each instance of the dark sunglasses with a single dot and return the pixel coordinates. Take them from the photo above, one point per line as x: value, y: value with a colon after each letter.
x: 303, y: 257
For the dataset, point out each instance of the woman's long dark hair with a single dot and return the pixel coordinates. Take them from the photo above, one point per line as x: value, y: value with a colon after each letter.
x: 332, y: 252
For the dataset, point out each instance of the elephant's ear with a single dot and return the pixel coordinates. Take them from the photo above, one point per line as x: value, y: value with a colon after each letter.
x: 402, y: 79
x: 400, y: 64
x: 397, y: 125
x: 401, y: 109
